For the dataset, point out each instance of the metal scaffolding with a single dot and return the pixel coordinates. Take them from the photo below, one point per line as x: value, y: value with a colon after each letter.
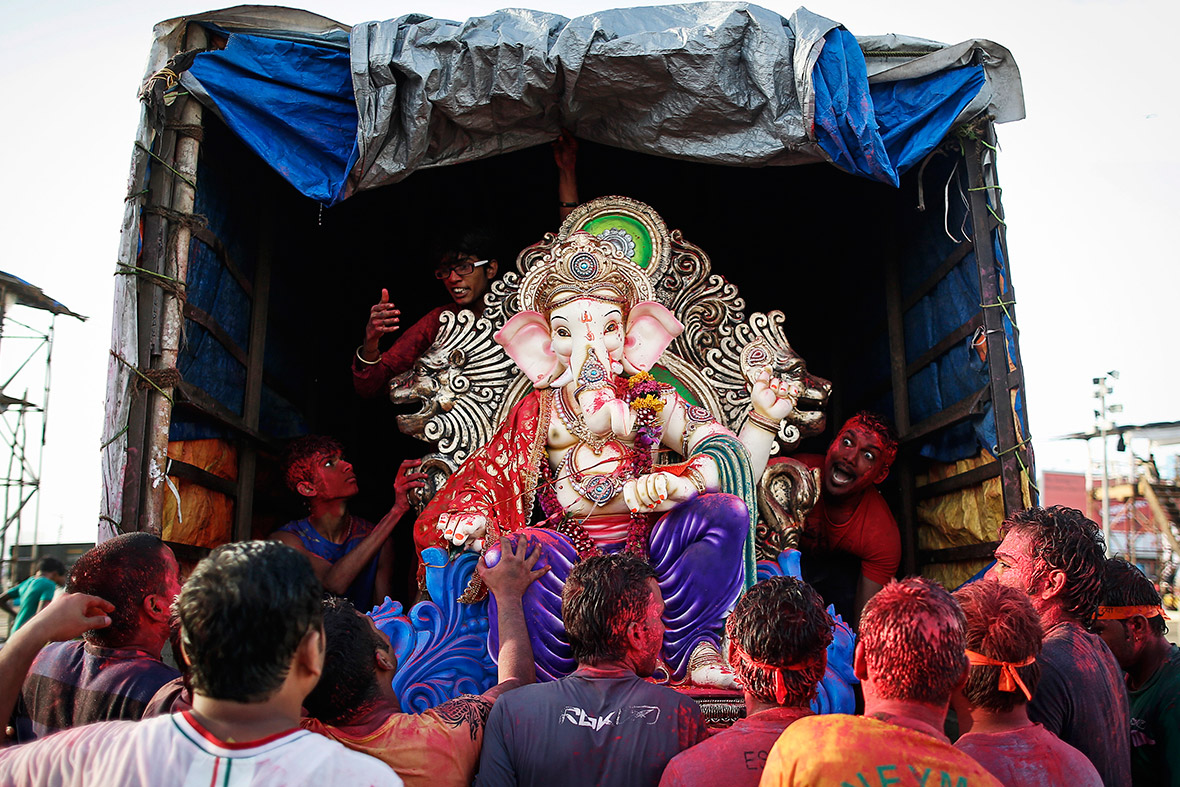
x: 26, y: 354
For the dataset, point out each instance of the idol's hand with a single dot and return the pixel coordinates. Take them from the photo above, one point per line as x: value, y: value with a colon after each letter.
x: 773, y: 397
x: 464, y: 530
x: 657, y: 492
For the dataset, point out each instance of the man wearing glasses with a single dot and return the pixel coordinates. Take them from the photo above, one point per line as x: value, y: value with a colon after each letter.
x: 466, y: 271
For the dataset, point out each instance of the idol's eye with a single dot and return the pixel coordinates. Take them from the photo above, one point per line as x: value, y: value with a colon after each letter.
x: 562, y: 333
x: 612, y: 327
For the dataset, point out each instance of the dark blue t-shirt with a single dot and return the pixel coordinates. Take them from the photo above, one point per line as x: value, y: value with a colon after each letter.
x: 593, y: 727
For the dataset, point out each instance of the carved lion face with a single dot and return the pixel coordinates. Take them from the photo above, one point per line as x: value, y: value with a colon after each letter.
x: 428, y: 382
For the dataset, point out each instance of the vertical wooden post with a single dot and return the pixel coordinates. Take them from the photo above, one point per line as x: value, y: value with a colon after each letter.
x: 901, y: 415
x: 252, y: 401
x: 1002, y: 382
x: 159, y: 416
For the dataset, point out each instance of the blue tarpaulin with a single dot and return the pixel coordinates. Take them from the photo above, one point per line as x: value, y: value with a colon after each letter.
x: 291, y: 103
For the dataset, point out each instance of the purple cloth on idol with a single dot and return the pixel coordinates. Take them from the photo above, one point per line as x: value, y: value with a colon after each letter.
x: 696, y: 552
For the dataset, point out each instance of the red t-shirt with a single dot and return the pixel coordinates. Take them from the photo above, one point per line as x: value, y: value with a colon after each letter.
x: 734, y: 757
x: 870, y: 533
x: 1029, y: 755
x: 370, y: 380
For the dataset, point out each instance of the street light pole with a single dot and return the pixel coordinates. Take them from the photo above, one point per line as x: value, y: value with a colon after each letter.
x: 1104, y: 424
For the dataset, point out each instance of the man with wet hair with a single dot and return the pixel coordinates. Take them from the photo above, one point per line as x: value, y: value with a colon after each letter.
x: 603, y: 724
x: 251, y: 630
x: 909, y: 657
x: 1131, y: 623
x: 1003, y: 640
x: 466, y: 268
x: 778, y: 636
x: 1055, y: 556
x: 354, y: 701
x: 850, y: 542
x: 351, y: 556
x: 113, y: 672
x: 34, y: 593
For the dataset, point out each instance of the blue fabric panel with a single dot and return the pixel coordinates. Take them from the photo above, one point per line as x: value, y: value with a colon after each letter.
x: 882, y: 130
x: 291, y: 103
x: 914, y: 115
x: 845, y: 122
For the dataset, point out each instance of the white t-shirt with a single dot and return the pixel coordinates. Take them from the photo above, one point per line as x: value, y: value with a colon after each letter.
x: 177, y: 750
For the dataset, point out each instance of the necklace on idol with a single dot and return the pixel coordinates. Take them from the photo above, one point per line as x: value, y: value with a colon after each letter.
x: 598, y: 488
x: 576, y: 425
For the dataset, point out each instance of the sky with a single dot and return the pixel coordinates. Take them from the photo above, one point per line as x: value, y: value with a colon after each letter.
x: 1089, y: 190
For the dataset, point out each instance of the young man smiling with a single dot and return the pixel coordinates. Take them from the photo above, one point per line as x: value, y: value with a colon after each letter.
x: 850, y: 543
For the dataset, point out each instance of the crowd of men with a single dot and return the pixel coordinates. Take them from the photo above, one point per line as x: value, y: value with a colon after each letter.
x: 1055, y: 665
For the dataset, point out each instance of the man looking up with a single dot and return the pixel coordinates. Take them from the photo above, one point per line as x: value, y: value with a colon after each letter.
x: 778, y: 637
x: 1055, y: 556
x: 112, y: 672
x: 1131, y: 622
x: 251, y: 631
x: 1003, y: 640
x: 604, y: 724
x: 909, y: 658
x: 352, y: 557
x: 850, y: 542
x: 466, y: 269
x: 354, y: 701
x: 35, y: 592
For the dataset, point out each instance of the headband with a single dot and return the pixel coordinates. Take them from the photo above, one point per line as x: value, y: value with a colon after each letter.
x: 1122, y: 613
x: 780, y: 684
x: 1009, y: 680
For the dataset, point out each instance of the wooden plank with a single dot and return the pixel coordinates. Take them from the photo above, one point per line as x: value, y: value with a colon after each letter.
x: 901, y: 413
x: 196, y: 400
x: 984, y: 551
x: 252, y: 401
x: 972, y: 477
x: 993, y: 319
x: 210, y: 324
x: 210, y: 239
x: 187, y: 472
x: 949, y: 264
x: 945, y: 344
x: 972, y: 404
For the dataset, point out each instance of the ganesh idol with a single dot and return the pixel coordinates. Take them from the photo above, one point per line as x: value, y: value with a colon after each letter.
x: 614, y: 459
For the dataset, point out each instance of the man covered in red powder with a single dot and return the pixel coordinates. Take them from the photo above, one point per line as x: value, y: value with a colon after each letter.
x: 1003, y: 640
x: 350, y: 556
x: 778, y: 637
x: 114, y: 671
x: 1055, y: 556
x: 850, y: 543
x: 1131, y: 622
x: 354, y: 702
x: 909, y: 658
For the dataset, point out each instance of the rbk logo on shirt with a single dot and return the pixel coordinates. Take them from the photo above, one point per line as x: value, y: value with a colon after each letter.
x: 632, y: 714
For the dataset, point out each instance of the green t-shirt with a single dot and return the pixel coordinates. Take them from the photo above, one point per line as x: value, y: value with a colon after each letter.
x: 32, y: 592
x: 1155, y: 726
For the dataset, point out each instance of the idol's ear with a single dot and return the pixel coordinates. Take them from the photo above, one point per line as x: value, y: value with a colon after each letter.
x: 526, y: 340
x: 650, y: 329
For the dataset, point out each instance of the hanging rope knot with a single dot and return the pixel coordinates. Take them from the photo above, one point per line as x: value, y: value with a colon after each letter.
x: 158, y: 378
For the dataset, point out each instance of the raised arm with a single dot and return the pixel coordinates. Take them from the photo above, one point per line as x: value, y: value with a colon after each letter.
x: 64, y: 618
x: 507, y: 580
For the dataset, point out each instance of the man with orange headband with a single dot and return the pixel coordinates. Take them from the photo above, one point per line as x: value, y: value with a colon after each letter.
x: 850, y: 543
x: 1003, y: 640
x: 778, y: 637
x: 1131, y: 622
x: 909, y: 658
x: 1055, y: 556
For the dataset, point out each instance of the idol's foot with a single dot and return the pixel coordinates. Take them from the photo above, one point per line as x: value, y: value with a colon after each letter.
x: 707, y: 669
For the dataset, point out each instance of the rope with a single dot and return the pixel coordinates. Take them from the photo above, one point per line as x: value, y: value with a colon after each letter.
x: 194, y: 221
x: 136, y: 195
x: 1019, y: 460
x: 191, y: 130
x: 167, y: 166
x: 118, y: 434
x: 168, y: 283
x: 105, y: 518
x: 1002, y: 304
x: 149, y: 378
